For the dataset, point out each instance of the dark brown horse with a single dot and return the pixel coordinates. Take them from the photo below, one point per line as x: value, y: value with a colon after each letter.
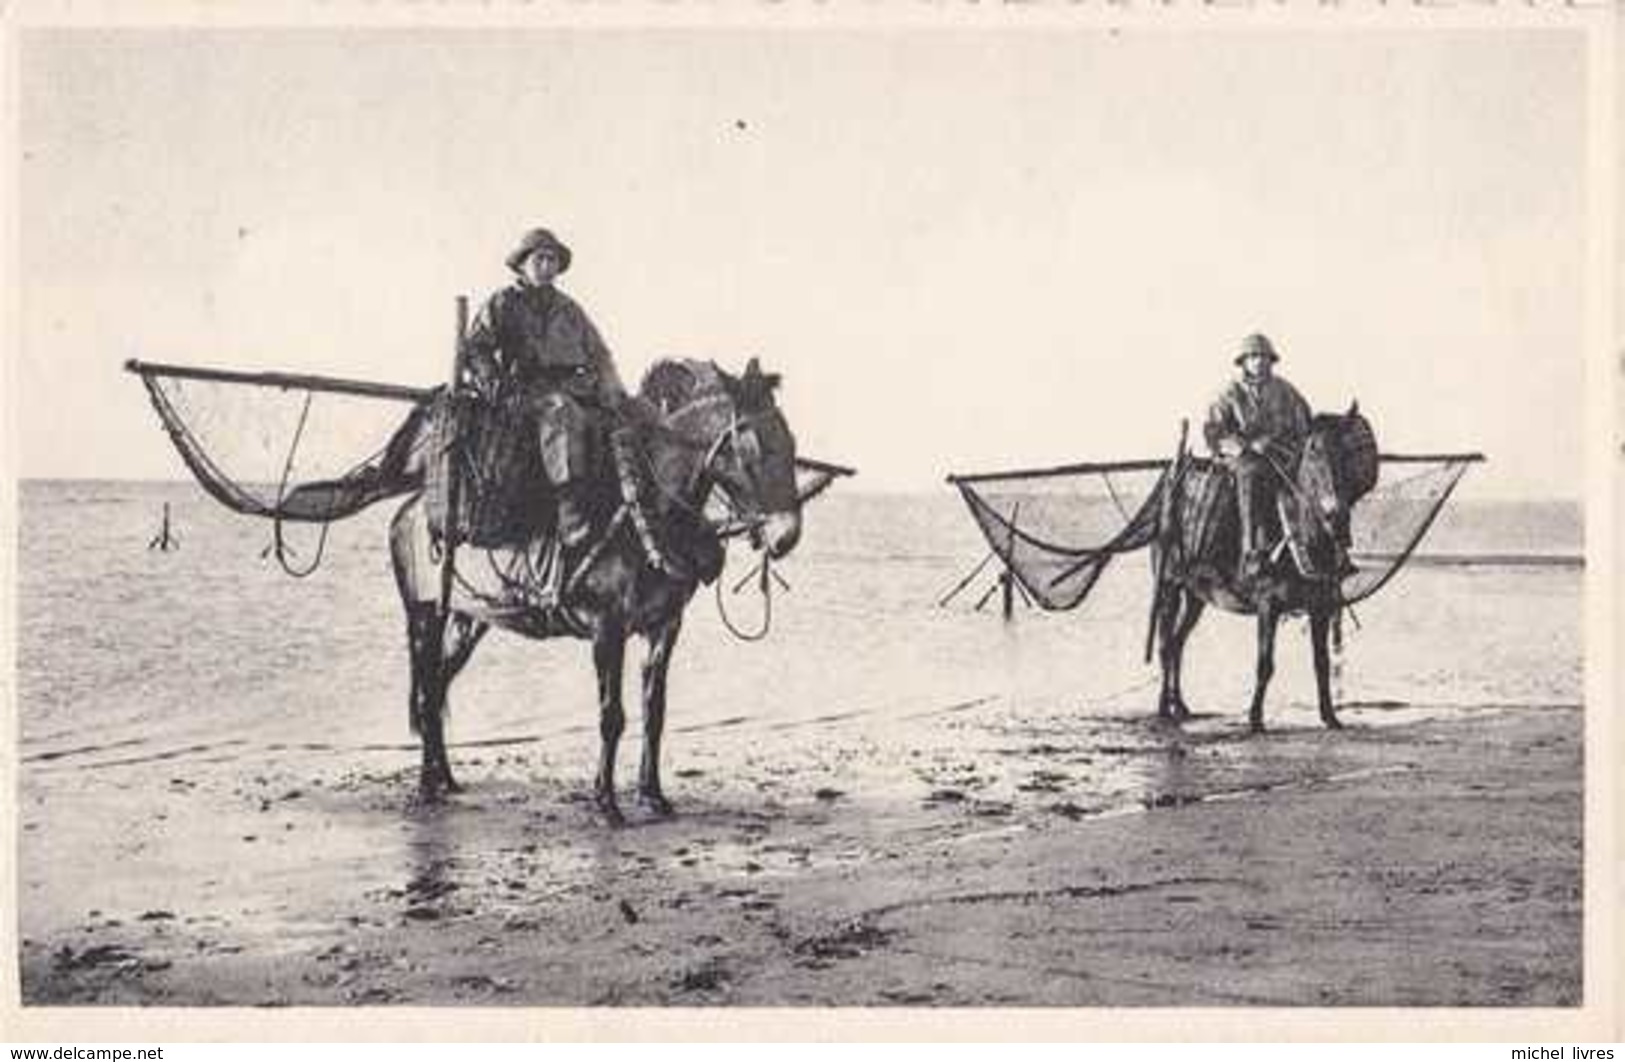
x: 699, y: 428
x: 1197, y: 550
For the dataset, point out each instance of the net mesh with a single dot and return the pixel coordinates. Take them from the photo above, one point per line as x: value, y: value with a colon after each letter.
x: 1056, y: 530
x: 1389, y: 523
x: 288, y: 453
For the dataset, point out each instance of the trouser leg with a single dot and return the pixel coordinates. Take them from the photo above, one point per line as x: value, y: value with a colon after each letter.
x: 565, y: 428
x: 1250, y: 495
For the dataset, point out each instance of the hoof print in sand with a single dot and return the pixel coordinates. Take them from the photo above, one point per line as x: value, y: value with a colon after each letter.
x: 852, y: 941
x: 709, y: 977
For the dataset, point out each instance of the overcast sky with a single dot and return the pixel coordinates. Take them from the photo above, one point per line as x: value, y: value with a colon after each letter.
x: 965, y: 250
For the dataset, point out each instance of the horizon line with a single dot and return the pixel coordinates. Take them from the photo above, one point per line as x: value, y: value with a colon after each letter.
x: 851, y: 486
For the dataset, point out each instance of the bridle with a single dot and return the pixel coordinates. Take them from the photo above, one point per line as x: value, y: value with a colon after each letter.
x: 739, y: 436
x: 1331, y: 456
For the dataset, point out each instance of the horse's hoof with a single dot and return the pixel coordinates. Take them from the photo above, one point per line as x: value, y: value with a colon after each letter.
x: 1170, y: 712
x: 428, y: 795
x: 657, y: 805
x: 611, y: 811
x: 453, y: 785
x: 1332, y: 722
x: 1255, y: 728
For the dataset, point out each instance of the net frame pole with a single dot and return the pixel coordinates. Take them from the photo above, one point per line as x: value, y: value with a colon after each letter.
x: 1165, y: 538
x: 286, y: 381
x: 448, y: 550
x: 965, y: 581
x: 1057, y: 470
x: 1007, y: 578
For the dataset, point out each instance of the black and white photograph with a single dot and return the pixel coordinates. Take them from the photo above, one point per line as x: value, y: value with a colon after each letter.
x: 850, y: 518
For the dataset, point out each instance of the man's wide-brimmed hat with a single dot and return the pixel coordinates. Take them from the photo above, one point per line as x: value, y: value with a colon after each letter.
x: 1256, y: 343
x: 535, y: 240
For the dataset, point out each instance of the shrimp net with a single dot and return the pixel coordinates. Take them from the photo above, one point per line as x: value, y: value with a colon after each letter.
x: 286, y: 447
x: 1057, y: 530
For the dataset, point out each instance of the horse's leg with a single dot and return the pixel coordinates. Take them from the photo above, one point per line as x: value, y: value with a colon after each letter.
x: 466, y: 632
x: 1167, y: 619
x: 1189, y: 608
x: 655, y: 669
x: 1320, y: 623
x: 417, y: 574
x: 1268, y: 620
x: 609, y: 655
x: 460, y: 636
x: 426, y: 640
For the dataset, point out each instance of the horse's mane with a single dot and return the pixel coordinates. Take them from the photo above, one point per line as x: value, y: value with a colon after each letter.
x: 672, y: 383
x: 1326, y: 422
x: 1353, y: 447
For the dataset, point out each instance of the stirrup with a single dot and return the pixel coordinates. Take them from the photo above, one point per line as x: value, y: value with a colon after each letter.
x: 1253, y: 565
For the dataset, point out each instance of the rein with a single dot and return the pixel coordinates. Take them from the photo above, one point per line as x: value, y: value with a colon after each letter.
x: 1304, y: 503
x: 736, y: 524
x: 765, y: 577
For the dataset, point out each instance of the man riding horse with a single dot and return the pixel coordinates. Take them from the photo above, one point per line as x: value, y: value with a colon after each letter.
x: 1257, y: 426
x: 534, y: 349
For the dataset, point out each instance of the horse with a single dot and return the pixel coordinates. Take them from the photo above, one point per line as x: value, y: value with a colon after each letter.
x: 1198, y: 544
x: 696, y: 428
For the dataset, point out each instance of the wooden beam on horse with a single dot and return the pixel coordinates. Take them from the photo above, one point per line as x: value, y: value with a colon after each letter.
x: 824, y: 467
x: 453, y: 449
x: 1465, y: 458
x: 286, y: 381
x: 1167, y: 539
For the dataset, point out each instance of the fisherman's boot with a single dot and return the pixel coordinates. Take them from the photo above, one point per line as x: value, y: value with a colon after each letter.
x: 1248, y: 503
x: 1252, y: 567
x: 1251, y: 561
x: 572, y: 531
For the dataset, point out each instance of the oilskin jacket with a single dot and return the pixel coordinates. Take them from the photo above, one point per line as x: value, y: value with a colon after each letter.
x: 1271, y: 410
x: 535, y: 350
x: 538, y: 340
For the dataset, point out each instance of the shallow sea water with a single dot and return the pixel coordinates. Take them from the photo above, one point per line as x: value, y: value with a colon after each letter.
x: 212, y: 652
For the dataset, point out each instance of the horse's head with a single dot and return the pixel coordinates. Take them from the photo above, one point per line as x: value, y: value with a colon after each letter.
x: 1338, y: 468
x: 749, y: 451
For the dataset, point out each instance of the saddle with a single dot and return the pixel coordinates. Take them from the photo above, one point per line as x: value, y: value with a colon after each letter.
x: 504, y: 499
x: 1207, y: 532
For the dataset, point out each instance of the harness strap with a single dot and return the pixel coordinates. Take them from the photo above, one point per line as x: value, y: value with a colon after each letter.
x: 1304, y: 505
x: 599, y: 545
x: 632, y: 495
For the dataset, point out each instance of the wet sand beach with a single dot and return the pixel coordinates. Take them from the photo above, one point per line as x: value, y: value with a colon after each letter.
x: 1433, y: 862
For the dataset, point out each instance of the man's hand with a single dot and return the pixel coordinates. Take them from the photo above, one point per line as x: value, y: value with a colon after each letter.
x: 1232, y: 447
